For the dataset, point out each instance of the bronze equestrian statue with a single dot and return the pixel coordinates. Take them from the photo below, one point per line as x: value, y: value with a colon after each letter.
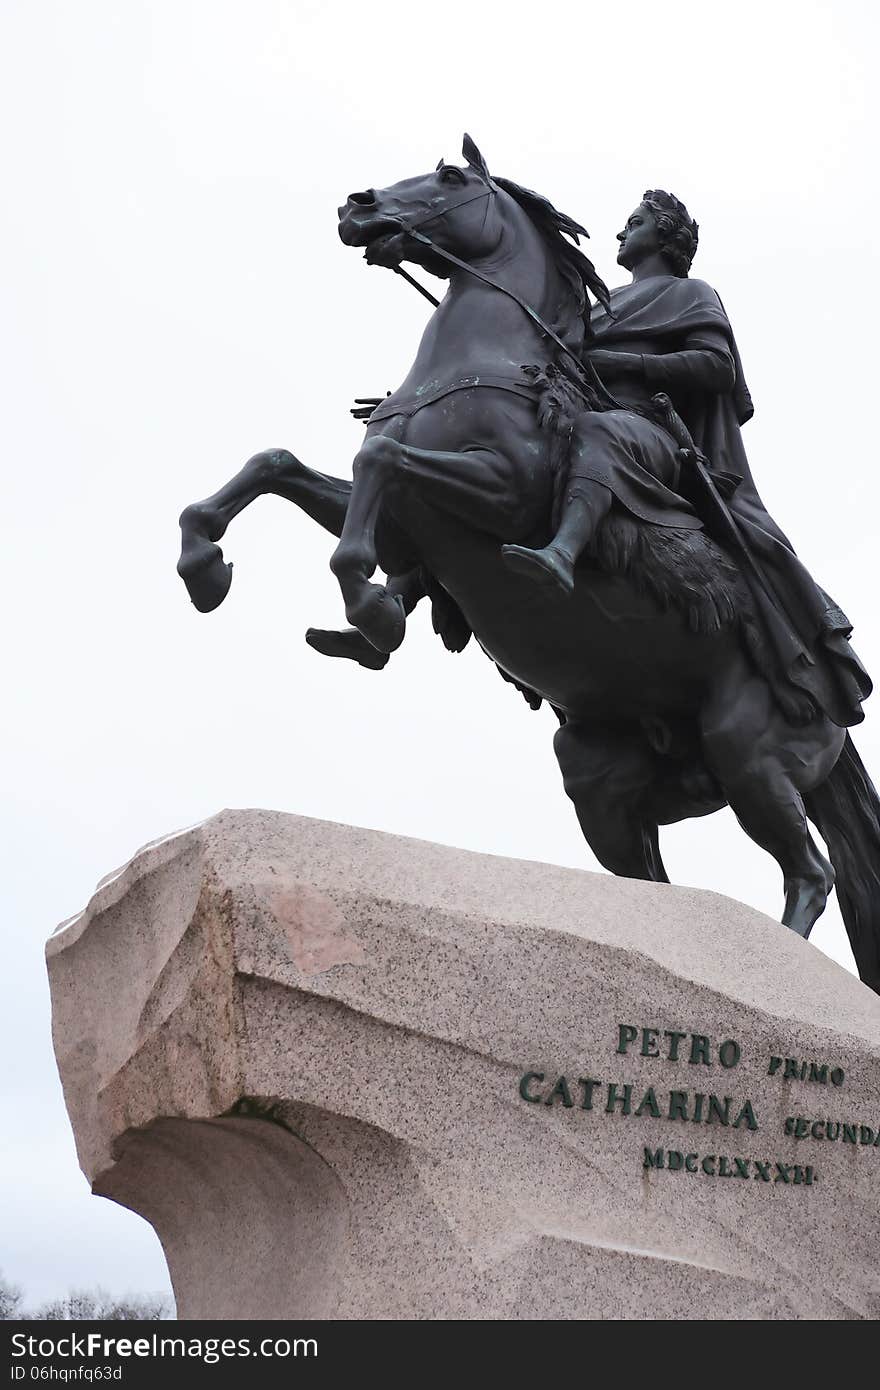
x: 566, y: 481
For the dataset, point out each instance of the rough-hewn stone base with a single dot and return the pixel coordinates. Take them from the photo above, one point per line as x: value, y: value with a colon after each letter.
x: 325, y: 1064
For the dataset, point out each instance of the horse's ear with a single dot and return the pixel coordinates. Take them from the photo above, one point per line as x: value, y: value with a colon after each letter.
x: 474, y: 158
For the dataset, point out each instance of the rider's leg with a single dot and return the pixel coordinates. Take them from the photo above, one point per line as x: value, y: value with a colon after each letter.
x: 615, y: 455
x: 608, y: 774
x: 352, y: 644
x: 764, y: 764
x: 586, y: 503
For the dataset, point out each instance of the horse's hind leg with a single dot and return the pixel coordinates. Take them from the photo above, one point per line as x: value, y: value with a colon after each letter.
x: 607, y: 774
x: 764, y: 765
x: 201, y: 565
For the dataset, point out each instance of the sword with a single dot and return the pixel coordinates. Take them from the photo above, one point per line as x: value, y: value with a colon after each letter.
x: 714, y: 511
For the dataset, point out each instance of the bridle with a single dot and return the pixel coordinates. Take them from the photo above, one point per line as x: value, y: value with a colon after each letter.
x: 586, y: 372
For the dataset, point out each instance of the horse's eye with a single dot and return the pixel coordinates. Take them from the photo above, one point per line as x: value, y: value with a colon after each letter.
x: 449, y: 174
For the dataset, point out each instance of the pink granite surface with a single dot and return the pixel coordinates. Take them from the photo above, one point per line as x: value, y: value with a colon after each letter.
x: 296, y: 1048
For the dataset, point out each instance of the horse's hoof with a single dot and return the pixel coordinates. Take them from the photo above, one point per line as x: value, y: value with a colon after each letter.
x: 801, y: 926
x: 380, y: 617
x: 805, y: 901
x: 545, y: 566
x: 206, y: 575
x: 350, y: 643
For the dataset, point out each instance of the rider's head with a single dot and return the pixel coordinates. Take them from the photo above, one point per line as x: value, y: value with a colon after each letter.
x: 660, y: 225
x: 676, y: 229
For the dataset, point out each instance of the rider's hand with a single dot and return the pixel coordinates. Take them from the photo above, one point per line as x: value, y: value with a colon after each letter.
x: 365, y: 405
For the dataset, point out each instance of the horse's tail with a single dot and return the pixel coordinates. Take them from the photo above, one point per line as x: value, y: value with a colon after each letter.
x: 846, y: 810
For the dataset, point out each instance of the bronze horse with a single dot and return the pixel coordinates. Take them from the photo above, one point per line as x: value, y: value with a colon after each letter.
x: 664, y: 713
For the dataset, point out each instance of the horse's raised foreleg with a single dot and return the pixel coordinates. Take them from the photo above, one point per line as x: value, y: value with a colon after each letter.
x: 473, y: 486
x: 377, y: 613
x: 201, y: 565
x: 351, y: 644
x: 608, y: 774
x: 764, y: 765
x: 478, y: 487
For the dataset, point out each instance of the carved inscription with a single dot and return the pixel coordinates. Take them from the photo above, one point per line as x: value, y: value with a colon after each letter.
x: 693, y: 1106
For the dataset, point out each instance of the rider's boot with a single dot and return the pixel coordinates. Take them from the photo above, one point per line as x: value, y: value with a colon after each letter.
x: 554, y: 565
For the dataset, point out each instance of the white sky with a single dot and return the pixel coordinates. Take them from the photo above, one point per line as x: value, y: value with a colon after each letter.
x: 175, y: 297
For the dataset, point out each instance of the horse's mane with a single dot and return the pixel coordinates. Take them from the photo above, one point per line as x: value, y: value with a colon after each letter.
x: 576, y: 269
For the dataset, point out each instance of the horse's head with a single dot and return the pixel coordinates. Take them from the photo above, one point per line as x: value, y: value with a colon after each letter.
x: 453, y: 206
x: 471, y: 215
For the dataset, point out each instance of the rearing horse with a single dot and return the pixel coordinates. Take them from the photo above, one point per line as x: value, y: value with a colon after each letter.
x: 663, y: 711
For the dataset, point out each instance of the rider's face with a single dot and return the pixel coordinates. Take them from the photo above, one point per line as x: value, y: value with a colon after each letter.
x: 638, y: 239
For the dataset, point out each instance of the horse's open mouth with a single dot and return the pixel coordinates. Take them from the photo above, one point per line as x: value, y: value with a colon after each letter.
x: 359, y: 231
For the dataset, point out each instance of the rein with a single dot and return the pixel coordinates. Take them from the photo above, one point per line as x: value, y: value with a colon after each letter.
x: 431, y: 217
x: 586, y: 372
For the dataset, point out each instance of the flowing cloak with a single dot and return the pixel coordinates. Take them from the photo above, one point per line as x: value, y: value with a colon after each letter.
x: 689, y: 351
